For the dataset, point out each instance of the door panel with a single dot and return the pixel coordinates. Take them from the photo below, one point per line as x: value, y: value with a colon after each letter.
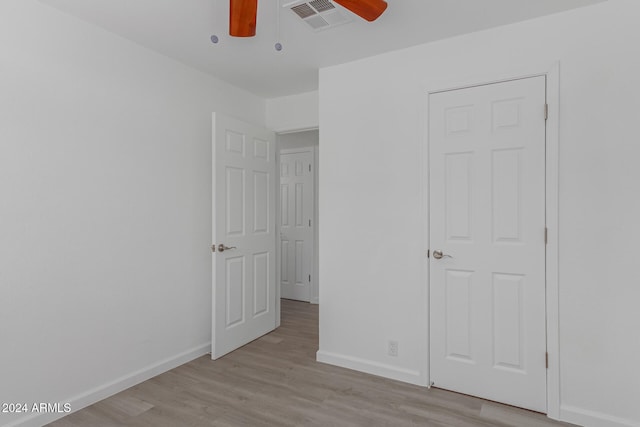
x: 487, y: 212
x: 506, y: 188
x: 244, y: 299
x: 458, y: 315
x: 262, y: 194
x: 458, y: 196
x: 235, y: 284
x: 296, y: 228
x: 508, y: 333
x: 261, y: 285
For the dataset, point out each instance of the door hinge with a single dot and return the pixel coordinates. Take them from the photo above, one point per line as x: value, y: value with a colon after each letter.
x: 546, y: 111
x: 546, y: 360
x: 309, y: 278
x: 428, y: 253
x: 546, y: 235
x: 309, y: 223
x: 309, y: 167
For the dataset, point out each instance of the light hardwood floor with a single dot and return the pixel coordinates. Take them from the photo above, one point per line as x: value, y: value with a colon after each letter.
x: 275, y: 381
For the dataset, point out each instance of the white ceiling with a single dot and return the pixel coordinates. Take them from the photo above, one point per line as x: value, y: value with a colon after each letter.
x: 181, y: 29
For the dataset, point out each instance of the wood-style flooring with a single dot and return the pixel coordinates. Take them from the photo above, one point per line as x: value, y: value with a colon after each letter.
x: 275, y: 381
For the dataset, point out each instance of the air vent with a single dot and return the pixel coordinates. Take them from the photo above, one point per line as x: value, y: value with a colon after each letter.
x: 322, y: 5
x: 303, y: 10
x: 317, y: 22
x: 318, y: 14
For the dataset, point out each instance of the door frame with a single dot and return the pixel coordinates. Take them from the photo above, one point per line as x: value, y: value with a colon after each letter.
x: 313, y: 299
x: 552, y: 75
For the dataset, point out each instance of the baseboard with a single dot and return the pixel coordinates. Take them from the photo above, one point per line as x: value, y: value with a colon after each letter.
x: 587, y: 418
x: 315, y: 301
x: 370, y: 367
x: 96, y: 394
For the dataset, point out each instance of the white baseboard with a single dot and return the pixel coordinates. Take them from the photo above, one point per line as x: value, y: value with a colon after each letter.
x: 587, y: 418
x: 96, y: 394
x: 370, y: 367
x: 315, y: 301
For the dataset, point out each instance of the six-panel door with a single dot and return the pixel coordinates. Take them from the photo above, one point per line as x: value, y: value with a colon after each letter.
x: 244, y: 224
x: 296, y: 228
x: 487, y: 216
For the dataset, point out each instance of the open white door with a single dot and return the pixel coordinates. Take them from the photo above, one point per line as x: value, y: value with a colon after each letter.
x: 296, y: 223
x: 487, y: 237
x: 244, y: 245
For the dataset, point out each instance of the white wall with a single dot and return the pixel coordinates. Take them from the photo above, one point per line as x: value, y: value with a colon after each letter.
x: 371, y: 260
x: 293, y: 113
x: 105, y: 213
x: 304, y: 139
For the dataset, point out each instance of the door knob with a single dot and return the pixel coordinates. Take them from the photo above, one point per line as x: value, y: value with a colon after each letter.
x: 440, y: 255
x: 222, y: 247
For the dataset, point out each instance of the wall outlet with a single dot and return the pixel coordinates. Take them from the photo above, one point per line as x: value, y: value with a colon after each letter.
x: 392, y: 349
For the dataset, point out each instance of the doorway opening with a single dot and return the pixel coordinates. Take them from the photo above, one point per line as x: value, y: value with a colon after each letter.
x: 297, y: 216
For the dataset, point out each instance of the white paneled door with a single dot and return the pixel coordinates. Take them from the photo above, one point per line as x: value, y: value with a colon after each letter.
x: 487, y: 241
x: 244, y: 249
x: 296, y: 223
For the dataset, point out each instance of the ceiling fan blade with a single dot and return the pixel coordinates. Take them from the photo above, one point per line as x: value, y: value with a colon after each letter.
x: 242, y: 18
x: 366, y: 9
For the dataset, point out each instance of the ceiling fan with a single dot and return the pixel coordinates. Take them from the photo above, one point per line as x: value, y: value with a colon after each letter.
x: 243, y: 13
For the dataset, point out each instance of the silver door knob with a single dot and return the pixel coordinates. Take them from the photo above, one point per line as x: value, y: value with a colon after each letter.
x: 222, y: 247
x: 440, y: 255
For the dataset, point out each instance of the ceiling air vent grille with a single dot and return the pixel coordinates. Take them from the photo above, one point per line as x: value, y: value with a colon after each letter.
x: 322, y: 5
x: 317, y: 22
x: 318, y: 14
x: 303, y: 10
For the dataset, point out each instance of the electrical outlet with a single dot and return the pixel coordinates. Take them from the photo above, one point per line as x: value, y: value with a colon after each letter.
x: 393, y: 348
